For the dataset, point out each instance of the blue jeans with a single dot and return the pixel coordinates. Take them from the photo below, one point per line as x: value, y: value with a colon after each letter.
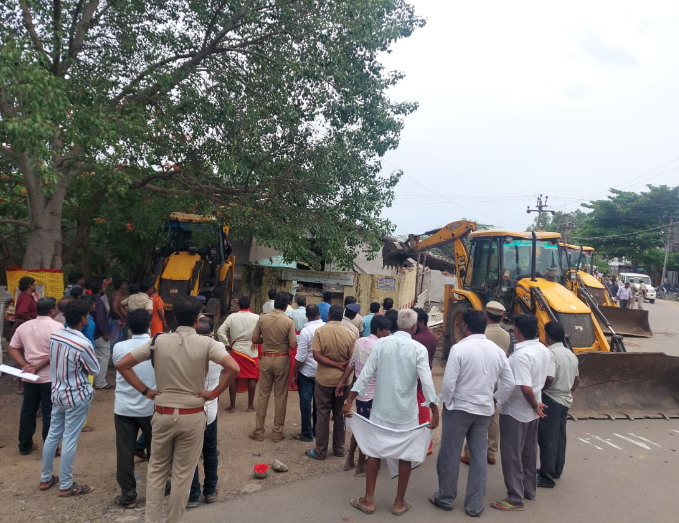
x: 305, y: 388
x: 210, y: 463
x: 67, y: 423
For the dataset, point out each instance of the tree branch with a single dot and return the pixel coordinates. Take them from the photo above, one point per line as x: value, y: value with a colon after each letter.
x: 56, y: 21
x: 145, y: 181
x: 75, y: 44
x: 22, y: 223
x: 197, y: 58
x: 28, y: 23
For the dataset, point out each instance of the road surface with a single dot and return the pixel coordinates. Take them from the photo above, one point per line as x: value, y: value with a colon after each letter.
x: 616, y: 472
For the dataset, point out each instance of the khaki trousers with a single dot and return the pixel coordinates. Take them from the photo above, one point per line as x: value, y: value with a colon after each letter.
x: 493, y: 437
x: 176, y: 446
x: 274, y: 374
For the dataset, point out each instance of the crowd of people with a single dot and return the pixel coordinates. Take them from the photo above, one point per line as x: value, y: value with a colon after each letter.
x: 168, y: 384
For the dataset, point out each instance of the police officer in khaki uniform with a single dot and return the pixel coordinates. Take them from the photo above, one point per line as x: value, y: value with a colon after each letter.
x: 495, y: 333
x: 180, y: 362
x: 276, y: 332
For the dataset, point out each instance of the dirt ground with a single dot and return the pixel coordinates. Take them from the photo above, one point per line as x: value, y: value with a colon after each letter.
x: 95, y: 462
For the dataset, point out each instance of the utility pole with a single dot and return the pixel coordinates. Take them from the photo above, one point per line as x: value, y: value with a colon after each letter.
x: 541, y: 208
x: 668, y: 241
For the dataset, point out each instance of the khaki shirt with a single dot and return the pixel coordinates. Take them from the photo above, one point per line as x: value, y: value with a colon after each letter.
x: 277, y: 330
x: 499, y: 336
x: 238, y: 328
x: 140, y: 300
x: 358, y: 323
x: 180, y: 361
x: 334, y: 341
x: 348, y: 324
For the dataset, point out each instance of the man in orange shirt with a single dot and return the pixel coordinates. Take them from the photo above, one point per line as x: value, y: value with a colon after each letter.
x: 158, y: 323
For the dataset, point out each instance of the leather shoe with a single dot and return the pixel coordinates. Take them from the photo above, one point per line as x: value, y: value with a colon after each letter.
x: 492, y: 461
x: 193, y: 504
x: 276, y: 439
x: 464, y: 459
x: 212, y: 497
x: 254, y: 436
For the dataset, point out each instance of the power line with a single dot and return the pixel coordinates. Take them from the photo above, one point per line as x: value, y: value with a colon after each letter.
x: 619, y: 235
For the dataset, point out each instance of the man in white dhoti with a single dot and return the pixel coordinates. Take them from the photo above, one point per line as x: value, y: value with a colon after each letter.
x: 393, y: 431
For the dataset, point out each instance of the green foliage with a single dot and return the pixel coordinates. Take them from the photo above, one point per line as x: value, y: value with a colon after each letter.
x: 273, y: 113
x: 630, y: 225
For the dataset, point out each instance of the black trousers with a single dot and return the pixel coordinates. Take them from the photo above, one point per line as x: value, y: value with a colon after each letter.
x: 552, y: 440
x: 36, y: 395
x: 127, y: 428
x: 210, y: 465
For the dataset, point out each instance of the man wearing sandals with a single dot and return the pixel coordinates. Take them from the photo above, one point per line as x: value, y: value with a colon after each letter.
x: 475, y: 366
x: 72, y: 358
x: 519, y: 415
x: 132, y: 412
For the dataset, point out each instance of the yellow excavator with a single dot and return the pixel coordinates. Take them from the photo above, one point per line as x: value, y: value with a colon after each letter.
x: 522, y: 271
x: 195, y: 260
x: 577, y: 265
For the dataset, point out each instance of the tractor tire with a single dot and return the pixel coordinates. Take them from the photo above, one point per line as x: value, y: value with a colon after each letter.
x: 214, y: 308
x: 454, y: 324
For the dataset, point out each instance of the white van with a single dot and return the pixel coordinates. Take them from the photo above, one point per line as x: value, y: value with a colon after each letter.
x: 634, y: 279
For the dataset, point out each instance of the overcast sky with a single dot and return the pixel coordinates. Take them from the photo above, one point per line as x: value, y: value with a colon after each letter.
x: 520, y: 98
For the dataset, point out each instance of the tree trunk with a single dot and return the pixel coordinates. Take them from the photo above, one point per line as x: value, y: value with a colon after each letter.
x: 43, y: 249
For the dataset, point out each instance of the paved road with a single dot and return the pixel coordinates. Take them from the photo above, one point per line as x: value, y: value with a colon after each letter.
x: 616, y: 472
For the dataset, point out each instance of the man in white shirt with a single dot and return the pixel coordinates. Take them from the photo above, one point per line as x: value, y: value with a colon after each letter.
x: 268, y: 306
x: 398, y: 361
x: 624, y: 295
x: 236, y: 334
x: 210, y: 453
x: 474, y: 367
x: 519, y: 415
x: 298, y: 315
x: 304, y: 374
x: 132, y: 411
x: 562, y: 381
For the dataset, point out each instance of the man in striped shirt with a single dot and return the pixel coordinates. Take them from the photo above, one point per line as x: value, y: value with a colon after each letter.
x: 72, y: 358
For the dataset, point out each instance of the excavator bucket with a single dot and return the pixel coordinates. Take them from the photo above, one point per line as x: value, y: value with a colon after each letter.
x: 616, y: 385
x: 628, y: 322
x: 395, y: 254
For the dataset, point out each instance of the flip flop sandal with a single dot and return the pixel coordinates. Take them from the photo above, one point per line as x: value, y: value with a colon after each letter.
x: 357, y: 504
x: 76, y: 490
x: 312, y: 454
x: 48, y: 484
x: 127, y: 505
x: 408, y: 506
x: 506, y: 506
x: 436, y: 503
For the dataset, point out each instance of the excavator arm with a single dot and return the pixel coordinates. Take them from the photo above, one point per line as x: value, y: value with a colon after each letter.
x: 395, y: 254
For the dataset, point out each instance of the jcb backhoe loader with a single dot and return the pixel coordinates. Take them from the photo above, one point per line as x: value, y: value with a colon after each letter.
x: 514, y: 268
x: 195, y: 260
x: 577, y: 264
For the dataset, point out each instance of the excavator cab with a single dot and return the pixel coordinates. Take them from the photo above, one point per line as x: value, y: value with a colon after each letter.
x: 195, y: 259
x: 577, y: 263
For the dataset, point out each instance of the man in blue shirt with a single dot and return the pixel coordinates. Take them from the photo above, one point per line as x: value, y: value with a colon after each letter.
x: 374, y: 309
x: 324, y: 306
x: 132, y: 411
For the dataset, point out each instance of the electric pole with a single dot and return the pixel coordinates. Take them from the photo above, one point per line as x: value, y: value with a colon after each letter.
x: 668, y: 241
x: 540, y: 208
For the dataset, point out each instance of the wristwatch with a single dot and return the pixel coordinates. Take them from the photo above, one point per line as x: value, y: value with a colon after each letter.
x: 145, y: 392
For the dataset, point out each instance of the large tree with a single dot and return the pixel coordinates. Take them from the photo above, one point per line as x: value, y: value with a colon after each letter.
x: 272, y: 113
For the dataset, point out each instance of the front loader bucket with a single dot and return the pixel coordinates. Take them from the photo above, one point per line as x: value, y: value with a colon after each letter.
x: 627, y: 385
x: 628, y: 322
